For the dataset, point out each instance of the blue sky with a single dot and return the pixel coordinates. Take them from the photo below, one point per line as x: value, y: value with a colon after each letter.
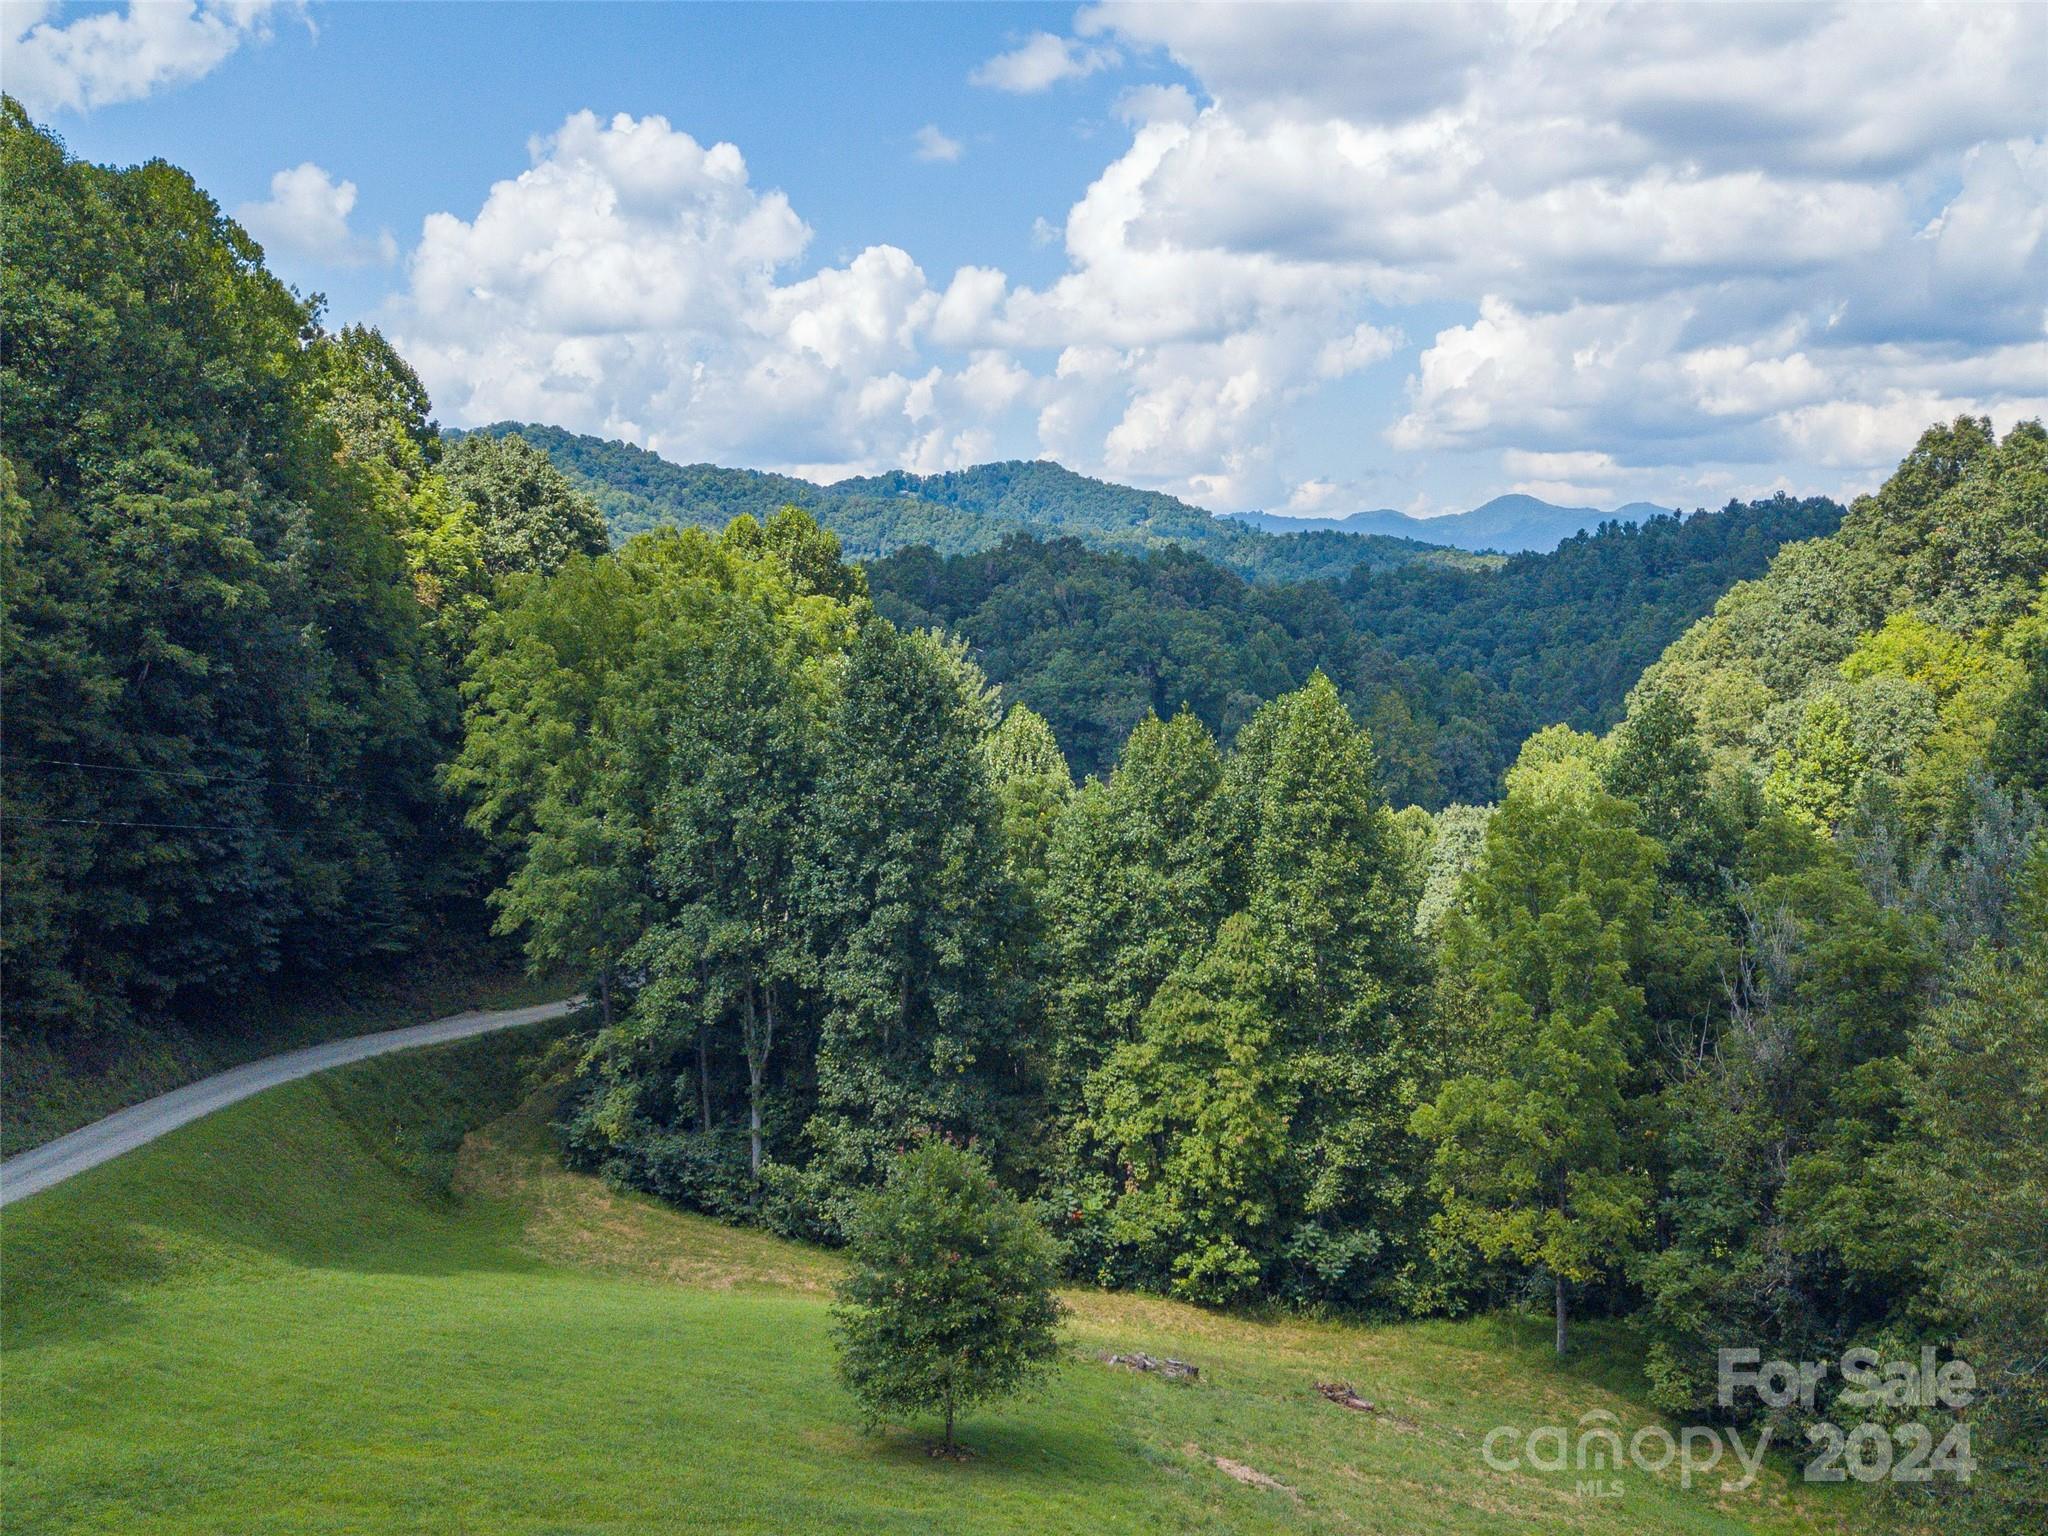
x: 1296, y: 257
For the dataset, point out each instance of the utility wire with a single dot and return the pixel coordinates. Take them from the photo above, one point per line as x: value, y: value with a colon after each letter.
x: 166, y: 773
x: 161, y: 826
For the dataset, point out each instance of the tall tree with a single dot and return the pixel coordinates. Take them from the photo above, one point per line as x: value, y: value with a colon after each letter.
x: 1532, y: 1155
x: 1138, y: 877
x: 1033, y: 785
x: 1199, y: 1108
x: 901, y: 876
x: 1331, y: 894
x: 743, y: 750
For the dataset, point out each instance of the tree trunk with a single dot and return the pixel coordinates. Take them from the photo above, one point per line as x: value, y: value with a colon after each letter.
x: 949, y: 1423
x: 604, y: 994
x: 703, y: 1077
x: 1557, y: 1281
x: 756, y: 1060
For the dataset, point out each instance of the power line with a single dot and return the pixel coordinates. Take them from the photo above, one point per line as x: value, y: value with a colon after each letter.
x: 174, y: 773
x: 161, y: 826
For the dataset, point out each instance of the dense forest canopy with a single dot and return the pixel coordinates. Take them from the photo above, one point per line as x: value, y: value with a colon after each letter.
x: 956, y: 512
x: 241, y: 578
x: 1731, y: 1021
x: 1450, y: 668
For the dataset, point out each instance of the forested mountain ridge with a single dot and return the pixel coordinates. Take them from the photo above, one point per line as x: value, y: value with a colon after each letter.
x: 1881, y: 655
x: 1731, y: 1022
x: 954, y: 513
x: 1451, y: 668
x: 1511, y: 523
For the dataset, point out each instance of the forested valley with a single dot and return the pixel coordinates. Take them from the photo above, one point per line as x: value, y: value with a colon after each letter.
x: 1450, y: 667
x: 1723, y: 1009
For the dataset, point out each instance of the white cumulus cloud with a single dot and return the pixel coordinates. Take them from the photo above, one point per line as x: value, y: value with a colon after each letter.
x: 1041, y: 61
x: 634, y: 282
x: 109, y: 56
x: 307, y: 214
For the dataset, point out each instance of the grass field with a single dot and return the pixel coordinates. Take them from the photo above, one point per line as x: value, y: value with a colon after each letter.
x: 324, y: 1310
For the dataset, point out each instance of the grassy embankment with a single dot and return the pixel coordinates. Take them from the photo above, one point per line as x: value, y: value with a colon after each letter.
x: 45, y: 1091
x: 324, y: 1310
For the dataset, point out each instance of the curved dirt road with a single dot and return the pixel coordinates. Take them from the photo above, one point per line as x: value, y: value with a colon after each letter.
x: 88, y: 1146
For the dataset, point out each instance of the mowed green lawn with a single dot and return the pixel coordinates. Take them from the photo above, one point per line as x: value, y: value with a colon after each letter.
x: 309, y: 1314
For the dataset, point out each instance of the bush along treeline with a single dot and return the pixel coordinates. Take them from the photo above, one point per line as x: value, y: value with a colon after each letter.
x: 1726, y: 1023
x: 240, y: 582
x: 1450, y: 668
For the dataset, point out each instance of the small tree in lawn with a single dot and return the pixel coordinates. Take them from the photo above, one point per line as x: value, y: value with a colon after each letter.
x: 950, y: 1301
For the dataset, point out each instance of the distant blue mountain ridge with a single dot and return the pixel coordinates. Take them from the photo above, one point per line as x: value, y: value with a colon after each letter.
x: 1509, y: 524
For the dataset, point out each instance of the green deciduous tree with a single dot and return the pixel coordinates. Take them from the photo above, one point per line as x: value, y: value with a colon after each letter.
x: 949, y: 1301
x: 1139, y: 876
x: 1199, y: 1109
x: 1457, y: 841
x: 743, y: 748
x: 902, y: 881
x: 1819, y: 777
x: 1033, y: 785
x: 528, y: 517
x: 1535, y: 1156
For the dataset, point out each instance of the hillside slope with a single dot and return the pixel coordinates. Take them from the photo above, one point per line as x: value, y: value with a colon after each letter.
x: 1876, y: 660
x: 954, y: 513
x: 1451, y: 668
x: 346, y: 1325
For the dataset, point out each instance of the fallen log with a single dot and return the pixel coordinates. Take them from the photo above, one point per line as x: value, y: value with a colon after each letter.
x: 1340, y: 1393
x: 1172, y: 1370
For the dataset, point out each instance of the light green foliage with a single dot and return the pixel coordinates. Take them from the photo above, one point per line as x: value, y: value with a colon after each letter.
x: 1199, y: 1108
x: 948, y: 1301
x: 1457, y: 840
x: 1819, y: 777
x: 1558, y: 763
x: 2018, y: 752
x: 1964, y: 683
x: 1956, y: 542
x: 527, y: 516
x: 1537, y: 1158
x: 576, y: 688
x: 1031, y: 780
